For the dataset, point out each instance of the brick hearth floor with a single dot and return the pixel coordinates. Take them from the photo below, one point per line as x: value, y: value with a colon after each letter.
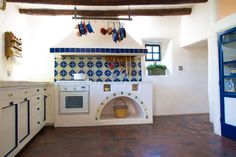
x: 168, y: 136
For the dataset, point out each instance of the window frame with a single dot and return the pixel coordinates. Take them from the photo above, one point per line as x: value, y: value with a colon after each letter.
x: 153, y: 45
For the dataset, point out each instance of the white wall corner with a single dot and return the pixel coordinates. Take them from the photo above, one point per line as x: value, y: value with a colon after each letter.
x: 195, y: 27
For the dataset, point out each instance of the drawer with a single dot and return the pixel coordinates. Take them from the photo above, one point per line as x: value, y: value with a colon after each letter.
x: 12, y: 94
x: 37, y: 99
x: 37, y: 123
x: 24, y: 93
x: 37, y: 110
x: 8, y: 94
x: 38, y: 90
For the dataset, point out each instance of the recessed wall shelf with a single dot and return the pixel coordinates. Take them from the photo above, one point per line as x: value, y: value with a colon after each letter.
x: 136, y: 107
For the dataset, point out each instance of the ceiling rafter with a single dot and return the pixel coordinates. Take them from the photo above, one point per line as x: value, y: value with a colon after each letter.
x: 136, y: 12
x: 109, y: 2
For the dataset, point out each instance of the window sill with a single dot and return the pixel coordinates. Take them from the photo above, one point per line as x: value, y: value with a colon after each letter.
x: 155, y: 75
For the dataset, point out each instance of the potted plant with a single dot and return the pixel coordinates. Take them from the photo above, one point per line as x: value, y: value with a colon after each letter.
x: 156, y: 69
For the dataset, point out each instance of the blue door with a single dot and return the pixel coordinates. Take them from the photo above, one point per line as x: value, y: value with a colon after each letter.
x: 227, y: 65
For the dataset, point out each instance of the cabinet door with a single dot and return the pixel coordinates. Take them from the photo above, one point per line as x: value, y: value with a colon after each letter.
x: 9, y: 127
x: 24, y: 120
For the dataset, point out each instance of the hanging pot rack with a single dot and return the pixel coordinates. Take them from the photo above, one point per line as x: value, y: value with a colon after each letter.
x: 76, y: 17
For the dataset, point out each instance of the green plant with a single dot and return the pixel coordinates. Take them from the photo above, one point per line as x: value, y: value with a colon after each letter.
x: 156, y: 66
x: 156, y: 69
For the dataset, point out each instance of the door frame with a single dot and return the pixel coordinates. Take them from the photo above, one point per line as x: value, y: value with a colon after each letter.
x: 226, y: 129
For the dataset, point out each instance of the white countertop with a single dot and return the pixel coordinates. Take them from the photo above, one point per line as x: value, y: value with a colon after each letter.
x: 5, y: 84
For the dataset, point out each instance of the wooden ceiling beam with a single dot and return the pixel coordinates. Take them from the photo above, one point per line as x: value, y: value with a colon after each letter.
x: 136, y: 12
x: 109, y: 2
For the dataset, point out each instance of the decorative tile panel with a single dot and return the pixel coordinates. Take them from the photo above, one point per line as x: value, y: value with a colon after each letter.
x: 96, y: 69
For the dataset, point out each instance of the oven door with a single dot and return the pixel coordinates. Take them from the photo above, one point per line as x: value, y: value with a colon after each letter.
x: 74, y: 102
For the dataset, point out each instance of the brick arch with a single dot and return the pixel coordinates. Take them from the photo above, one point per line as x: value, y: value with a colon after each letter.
x: 128, y: 95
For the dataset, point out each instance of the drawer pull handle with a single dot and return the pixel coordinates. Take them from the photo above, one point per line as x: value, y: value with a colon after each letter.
x: 37, y: 90
x: 38, y: 98
x: 25, y: 100
x: 44, y: 89
x: 10, y: 95
x: 38, y: 122
x: 10, y: 105
x: 38, y: 108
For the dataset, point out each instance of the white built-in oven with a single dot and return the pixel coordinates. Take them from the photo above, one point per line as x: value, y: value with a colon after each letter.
x: 74, y: 99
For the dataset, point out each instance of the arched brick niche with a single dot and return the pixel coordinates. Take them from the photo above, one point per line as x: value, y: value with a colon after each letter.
x: 136, y: 107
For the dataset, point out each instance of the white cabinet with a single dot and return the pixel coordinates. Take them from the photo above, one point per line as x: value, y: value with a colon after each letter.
x: 9, y: 127
x: 38, y: 109
x: 22, y: 116
x: 23, y: 120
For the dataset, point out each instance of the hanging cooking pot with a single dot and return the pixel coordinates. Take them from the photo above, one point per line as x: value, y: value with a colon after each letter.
x: 109, y: 29
x: 122, y: 32
x: 89, y: 28
x: 81, y: 30
x: 78, y: 32
x: 103, y: 31
x: 120, y: 37
x: 84, y: 28
x: 114, y: 34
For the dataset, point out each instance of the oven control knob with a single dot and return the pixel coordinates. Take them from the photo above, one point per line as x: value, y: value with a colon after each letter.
x: 65, y: 88
x: 74, y: 88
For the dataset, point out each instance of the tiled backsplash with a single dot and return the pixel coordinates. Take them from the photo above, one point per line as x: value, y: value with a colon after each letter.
x: 96, y: 69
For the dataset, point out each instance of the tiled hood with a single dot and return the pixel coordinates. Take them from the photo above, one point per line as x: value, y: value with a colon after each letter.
x: 96, y: 43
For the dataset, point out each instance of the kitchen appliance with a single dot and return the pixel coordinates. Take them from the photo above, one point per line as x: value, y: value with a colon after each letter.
x: 74, y: 98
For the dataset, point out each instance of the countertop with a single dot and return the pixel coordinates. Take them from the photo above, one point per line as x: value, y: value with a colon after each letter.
x: 5, y: 84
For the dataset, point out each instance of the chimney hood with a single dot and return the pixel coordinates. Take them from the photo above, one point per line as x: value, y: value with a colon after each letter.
x: 97, y: 44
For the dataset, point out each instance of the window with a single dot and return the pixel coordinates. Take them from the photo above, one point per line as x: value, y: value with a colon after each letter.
x: 153, y: 52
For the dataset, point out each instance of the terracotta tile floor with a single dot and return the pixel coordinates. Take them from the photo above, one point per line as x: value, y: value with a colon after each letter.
x: 169, y: 136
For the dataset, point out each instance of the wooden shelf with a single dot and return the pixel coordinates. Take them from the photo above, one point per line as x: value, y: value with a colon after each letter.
x: 12, y: 45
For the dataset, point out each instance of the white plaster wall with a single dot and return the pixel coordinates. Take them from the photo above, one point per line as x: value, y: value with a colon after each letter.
x: 38, y: 34
x: 180, y: 92
x: 183, y: 92
x: 10, y: 20
x: 195, y: 28
x: 45, y: 32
